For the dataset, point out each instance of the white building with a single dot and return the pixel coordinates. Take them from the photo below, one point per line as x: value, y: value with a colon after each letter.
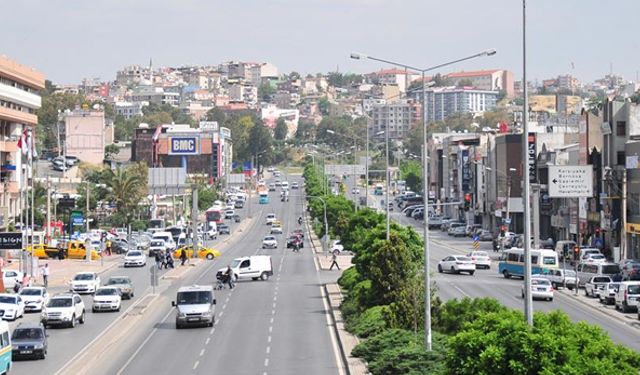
x: 243, y: 94
x: 445, y: 101
x: 156, y: 95
x: 395, y: 117
x: 130, y: 109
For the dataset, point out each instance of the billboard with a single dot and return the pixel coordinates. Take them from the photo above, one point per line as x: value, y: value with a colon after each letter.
x: 10, y: 241
x: 184, y: 145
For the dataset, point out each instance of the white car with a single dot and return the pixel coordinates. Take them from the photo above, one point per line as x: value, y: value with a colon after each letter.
x: 457, y: 264
x: 270, y: 219
x: 34, y: 297
x: 135, y: 258
x: 540, y: 288
x: 85, y: 282
x: 11, y: 277
x: 107, y: 298
x: 481, y: 259
x: 594, y: 258
x: 228, y: 213
x: 63, y: 309
x: 269, y: 242
x: 355, y: 191
x: 11, y: 306
x: 336, y: 247
x: 276, y: 229
x: 294, y: 185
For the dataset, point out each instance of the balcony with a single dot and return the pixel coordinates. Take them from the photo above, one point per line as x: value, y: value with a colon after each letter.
x: 9, y: 144
x: 13, y: 115
x: 9, y: 187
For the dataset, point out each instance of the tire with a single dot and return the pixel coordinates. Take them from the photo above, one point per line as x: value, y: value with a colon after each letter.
x: 471, y: 273
x: 93, y: 310
x: 625, y: 307
x: 506, y: 275
x: 178, y: 326
x: 131, y: 295
x: 72, y: 324
x: 453, y: 269
x: 551, y: 299
x: 586, y: 292
x: 82, y: 318
x: 439, y: 268
x: 522, y: 293
x: 43, y: 355
x: 254, y: 278
x: 264, y: 276
x: 209, y: 256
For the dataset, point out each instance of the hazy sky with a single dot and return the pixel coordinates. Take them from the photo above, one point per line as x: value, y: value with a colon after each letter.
x: 72, y: 39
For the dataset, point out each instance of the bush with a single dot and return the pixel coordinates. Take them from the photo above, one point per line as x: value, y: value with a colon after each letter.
x: 371, y: 322
x: 398, y: 351
x: 502, y: 343
x: 350, y: 277
x: 450, y: 317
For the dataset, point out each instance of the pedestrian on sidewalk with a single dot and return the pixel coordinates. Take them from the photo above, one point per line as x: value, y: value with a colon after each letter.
x: 334, y: 258
x: 158, y: 260
x: 60, y: 251
x: 183, y: 256
x: 45, y: 275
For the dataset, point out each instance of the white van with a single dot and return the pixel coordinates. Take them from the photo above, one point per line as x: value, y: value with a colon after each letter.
x: 627, y: 296
x: 252, y: 267
x: 588, y: 270
x: 168, y: 239
x: 195, y: 305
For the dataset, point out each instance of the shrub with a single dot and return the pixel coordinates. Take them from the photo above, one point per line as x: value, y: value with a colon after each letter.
x: 450, y: 317
x: 502, y: 343
x: 371, y: 322
x: 350, y: 277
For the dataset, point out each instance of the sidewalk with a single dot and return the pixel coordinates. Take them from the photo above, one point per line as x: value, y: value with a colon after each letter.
x: 324, y: 259
x: 61, y: 271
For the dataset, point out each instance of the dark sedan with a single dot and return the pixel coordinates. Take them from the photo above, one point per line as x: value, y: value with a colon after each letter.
x: 224, y: 229
x: 29, y: 341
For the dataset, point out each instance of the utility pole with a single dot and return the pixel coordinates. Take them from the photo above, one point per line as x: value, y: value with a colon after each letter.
x: 623, y: 231
x: 87, y: 245
x: 194, y: 221
x: 48, y: 233
x: 386, y: 199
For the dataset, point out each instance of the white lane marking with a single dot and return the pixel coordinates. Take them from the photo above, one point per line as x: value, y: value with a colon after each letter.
x: 315, y: 263
x: 266, y: 362
x: 268, y: 349
x: 212, y: 330
x: 270, y: 329
x: 269, y: 338
x: 143, y: 344
x: 332, y: 333
x: 208, y: 340
x: 201, y: 352
x: 275, y: 298
x: 461, y: 291
x: 224, y: 306
x: 271, y: 320
x: 273, y: 312
x: 195, y: 365
x: 220, y: 315
x: 274, y: 305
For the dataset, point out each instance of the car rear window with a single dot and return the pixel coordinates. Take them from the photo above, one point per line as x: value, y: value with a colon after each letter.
x: 601, y: 280
x: 610, y: 269
x: 634, y: 289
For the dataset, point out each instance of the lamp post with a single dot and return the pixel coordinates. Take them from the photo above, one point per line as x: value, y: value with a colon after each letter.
x: 355, y: 162
x: 425, y: 156
x: 326, y: 224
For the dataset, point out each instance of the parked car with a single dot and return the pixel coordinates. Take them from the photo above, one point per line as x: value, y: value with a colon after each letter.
x: 10, y: 278
x: 435, y: 221
x: 627, y: 296
x: 64, y: 309
x: 540, y: 289
x: 595, y: 285
x: 470, y: 230
x: 459, y: 231
x: 480, y: 258
x: 337, y: 247
x: 587, y: 270
x: 457, y: 264
x: 608, y: 295
x: 123, y: 283
x: 29, y: 340
x: 485, y: 235
x: 630, y: 269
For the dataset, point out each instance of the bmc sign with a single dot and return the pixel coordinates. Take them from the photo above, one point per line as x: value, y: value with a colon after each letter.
x: 184, y: 146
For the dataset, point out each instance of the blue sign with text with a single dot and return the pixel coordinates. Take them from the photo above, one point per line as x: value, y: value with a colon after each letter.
x: 184, y: 146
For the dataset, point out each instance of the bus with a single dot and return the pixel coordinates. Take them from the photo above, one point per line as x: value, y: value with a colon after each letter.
x: 5, y: 348
x: 512, y: 262
x: 378, y: 190
x: 264, y: 197
x: 215, y: 214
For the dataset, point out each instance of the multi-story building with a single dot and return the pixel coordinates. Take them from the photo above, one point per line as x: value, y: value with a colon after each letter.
x: 133, y: 74
x: 393, y: 77
x: 243, y: 94
x: 19, y: 100
x: 130, y: 109
x: 489, y: 80
x: 442, y: 102
x: 395, y: 117
x: 84, y: 134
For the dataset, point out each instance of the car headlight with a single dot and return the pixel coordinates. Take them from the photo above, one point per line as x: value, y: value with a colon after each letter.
x: 38, y: 346
x: 181, y: 315
x: 206, y: 314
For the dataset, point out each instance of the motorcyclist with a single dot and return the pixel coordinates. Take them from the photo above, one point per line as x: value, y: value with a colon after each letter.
x: 229, y: 277
x: 300, y: 220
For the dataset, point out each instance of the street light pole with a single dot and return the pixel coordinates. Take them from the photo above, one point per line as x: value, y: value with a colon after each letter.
x: 528, y: 303
x: 388, y: 174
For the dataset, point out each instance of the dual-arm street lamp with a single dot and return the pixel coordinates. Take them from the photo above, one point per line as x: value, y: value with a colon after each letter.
x: 359, y: 56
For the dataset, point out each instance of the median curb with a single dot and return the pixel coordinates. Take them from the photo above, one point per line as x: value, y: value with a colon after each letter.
x: 634, y: 323
x: 346, y: 340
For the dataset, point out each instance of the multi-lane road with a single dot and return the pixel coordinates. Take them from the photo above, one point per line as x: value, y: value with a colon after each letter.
x: 623, y: 329
x: 279, y: 326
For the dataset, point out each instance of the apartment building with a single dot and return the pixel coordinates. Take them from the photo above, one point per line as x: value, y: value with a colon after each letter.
x: 243, y: 94
x: 396, y: 117
x: 19, y: 100
x: 84, y: 134
x: 490, y: 80
x: 442, y: 102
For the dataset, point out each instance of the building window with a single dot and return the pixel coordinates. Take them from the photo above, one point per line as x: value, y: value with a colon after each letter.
x: 621, y: 159
x: 621, y: 128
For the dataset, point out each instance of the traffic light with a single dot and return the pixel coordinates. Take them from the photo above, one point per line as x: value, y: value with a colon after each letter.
x: 576, y: 252
x: 467, y: 201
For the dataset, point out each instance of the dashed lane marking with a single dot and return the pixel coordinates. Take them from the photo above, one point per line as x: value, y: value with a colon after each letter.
x: 195, y: 365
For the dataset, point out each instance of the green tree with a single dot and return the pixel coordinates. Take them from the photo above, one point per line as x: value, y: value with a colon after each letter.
x: 261, y: 143
x: 127, y: 187
x: 411, y: 172
x: 306, y: 131
x: 110, y: 151
x: 323, y: 106
x: 266, y: 92
x: 281, y: 130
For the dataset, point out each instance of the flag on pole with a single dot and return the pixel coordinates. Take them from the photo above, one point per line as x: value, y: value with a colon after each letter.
x: 156, y: 135
x: 22, y: 142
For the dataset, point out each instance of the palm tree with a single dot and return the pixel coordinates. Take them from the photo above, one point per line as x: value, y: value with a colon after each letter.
x: 126, y: 189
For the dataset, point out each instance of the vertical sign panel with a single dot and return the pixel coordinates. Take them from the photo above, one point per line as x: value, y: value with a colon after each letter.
x: 533, y: 158
x: 466, y: 171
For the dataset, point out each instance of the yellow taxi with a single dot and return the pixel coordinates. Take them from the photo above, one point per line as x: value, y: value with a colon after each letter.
x: 203, y: 252
x: 39, y: 250
x: 76, y: 250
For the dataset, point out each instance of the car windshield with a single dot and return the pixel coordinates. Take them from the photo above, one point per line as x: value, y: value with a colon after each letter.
x: 31, y: 292
x: 596, y: 256
x: 60, y: 302
x: 481, y: 254
x: 463, y: 259
x: 269, y: 238
x: 235, y: 263
x: 106, y: 292
x: 540, y: 282
x: 548, y: 260
x: 26, y: 334
x: 157, y: 243
x: 194, y: 298
x: 118, y: 280
x: 610, y: 269
x: 570, y: 273
x: 84, y: 276
x: 601, y: 280
x: 134, y: 254
x: 7, y: 299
